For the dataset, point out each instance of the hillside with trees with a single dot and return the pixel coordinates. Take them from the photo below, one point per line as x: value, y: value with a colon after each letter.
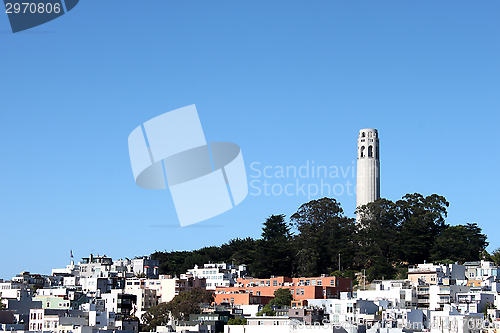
x: 388, y: 238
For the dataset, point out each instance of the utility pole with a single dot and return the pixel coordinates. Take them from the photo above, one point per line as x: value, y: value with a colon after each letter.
x: 364, y: 279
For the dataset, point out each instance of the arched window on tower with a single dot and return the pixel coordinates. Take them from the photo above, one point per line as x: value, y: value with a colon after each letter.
x: 370, y: 151
x: 362, y: 152
x: 363, y: 134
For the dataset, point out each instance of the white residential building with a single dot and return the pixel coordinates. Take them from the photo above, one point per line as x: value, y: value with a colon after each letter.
x: 347, y: 310
x: 166, y: 287
x: 481, y: 270
x: 473, y: 302
x: 429, y: 274
x: 441, y: 295
x: 449, y: 320
x: 218, y: 275
x: 397, y: 293
x: 414, y: 319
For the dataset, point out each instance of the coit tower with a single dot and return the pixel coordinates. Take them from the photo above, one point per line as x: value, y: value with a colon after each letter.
x: 368, y: 177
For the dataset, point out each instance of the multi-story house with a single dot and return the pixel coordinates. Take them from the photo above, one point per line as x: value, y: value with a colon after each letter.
x: 396, y: 293
x: 166, y: 287
x: 300, y: 288
x: 481, y: 270
x: 347, y: 310
x: 95, y: 266
x: 120, y: 303
x: 439, y: 295
x: 48, y: 319
x: 429, y: 274
x: 218, y: 275
x: 473, y: 302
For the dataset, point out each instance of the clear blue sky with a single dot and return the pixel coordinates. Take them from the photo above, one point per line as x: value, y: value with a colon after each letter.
x: 291, y: 82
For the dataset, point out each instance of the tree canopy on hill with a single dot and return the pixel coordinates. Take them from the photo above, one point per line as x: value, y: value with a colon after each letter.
x: 388, y: 237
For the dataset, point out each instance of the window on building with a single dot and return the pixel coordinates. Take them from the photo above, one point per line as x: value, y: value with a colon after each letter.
x: 332, y: 282
x: 320, y: 282
x: 302, y: 291
x: 362, y: 151
x: 370, y: 151
x: 275, y: 283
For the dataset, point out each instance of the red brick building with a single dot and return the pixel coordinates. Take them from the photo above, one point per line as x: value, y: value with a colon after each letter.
x: 300, y: 288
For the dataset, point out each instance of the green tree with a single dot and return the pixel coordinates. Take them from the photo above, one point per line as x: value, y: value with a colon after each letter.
x: 421, y: 220
x: 266, y: 311
x: 282, y: 297
x: 459, y: 243
x: 378, y: 228
x: 155, y: 316
x: 495, y: 256
x: 237, y: 321
x: 186, y: 303
x: 273, y: 254
x: 242, y: 250
x: 276, y: 229
x: 324, y: 233
x: 486, y: 256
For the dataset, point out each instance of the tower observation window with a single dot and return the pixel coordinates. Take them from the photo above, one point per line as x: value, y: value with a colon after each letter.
x: 370, y: 151
x: 362, y: 152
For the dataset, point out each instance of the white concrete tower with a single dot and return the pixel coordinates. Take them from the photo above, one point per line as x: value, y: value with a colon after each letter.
x: 368, y: 177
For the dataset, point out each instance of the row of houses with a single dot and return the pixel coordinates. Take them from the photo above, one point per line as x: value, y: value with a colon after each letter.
x: 436, y: 298
x: 99, y: 295
x: 261, y: 291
